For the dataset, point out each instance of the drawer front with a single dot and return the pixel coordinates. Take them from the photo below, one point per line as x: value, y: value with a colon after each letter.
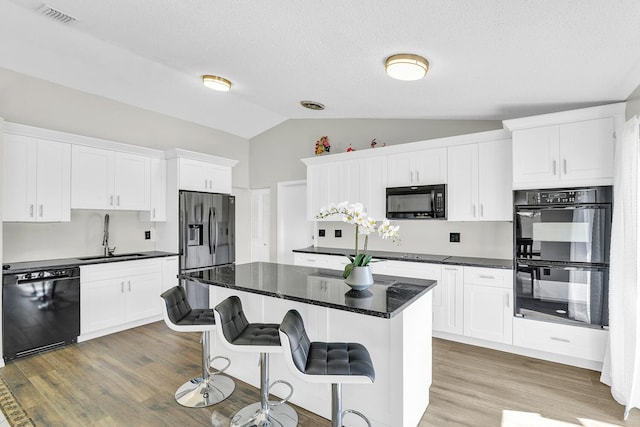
x: 574, y: 341
x: 332, y: 262
x: 416, y: 270
x: 116, y: 269
x: 489, y: 277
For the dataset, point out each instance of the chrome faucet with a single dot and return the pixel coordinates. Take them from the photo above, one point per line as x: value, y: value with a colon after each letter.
x: 105, y: 238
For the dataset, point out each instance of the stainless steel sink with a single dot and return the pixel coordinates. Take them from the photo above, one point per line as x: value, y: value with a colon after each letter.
x: 110, y: 257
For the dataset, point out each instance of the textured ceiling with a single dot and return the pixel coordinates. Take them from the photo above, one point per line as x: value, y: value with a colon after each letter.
x: 490, y: 59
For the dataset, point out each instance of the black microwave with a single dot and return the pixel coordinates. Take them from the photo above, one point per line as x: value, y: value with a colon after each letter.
x: 417, y: 202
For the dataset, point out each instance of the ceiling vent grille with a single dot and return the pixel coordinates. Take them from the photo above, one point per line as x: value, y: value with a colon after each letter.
x: 56, y: 15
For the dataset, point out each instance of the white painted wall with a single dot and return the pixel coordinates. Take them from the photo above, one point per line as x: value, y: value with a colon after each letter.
x: 633, y: 104
x: 81, y: 236
x: 485, y: 239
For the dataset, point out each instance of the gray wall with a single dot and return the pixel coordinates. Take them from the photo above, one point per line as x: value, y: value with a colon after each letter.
x: 275, y: 156
x: 34, y: 102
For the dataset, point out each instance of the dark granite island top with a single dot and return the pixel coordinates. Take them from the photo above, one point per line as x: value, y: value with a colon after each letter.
x: 387, y: 297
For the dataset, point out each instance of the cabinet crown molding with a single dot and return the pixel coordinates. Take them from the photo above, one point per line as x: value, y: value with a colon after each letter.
x: 192, y: 155
x: 550, y: 119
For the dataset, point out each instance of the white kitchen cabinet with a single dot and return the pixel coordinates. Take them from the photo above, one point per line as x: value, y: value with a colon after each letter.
x: 422, y: 167
x: 119, y: 293
x: 169, y: 272
x: 106, y: 179
x: 488, y: 298
x: 198, y: 175
x: 158, y: 192
x: 325, y: 185
x: 36, y: 179
x: 567, y: 154
x: 448, y: 300
x: 567, y: 340
x: 479, y: 183
x: 332, y: 262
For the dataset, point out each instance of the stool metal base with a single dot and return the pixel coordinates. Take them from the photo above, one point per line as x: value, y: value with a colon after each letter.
x: 254, y: 416
x: 196, y: 394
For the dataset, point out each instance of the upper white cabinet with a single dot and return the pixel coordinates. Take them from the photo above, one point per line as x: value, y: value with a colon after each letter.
x: 158, y: 192
x: 479, y: 183
x: 356, y: 181
x: 36, y: 179
x: 422, y: 167
x: 566, y: 149
x: 198, y: 175
x: 106, y: 179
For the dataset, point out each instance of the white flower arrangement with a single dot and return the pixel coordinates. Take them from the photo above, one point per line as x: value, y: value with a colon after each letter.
x: 365, y: 225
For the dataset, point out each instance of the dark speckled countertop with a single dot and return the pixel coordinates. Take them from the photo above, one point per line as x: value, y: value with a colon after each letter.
x: 506, y: 264
x: 28, y: 266
x: 387, y: 297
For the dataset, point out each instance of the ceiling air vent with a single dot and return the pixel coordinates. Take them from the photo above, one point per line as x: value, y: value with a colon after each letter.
x: 56, y: 14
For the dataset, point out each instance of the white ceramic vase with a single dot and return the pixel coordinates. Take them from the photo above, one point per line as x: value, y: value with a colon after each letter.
x: 360, y: 278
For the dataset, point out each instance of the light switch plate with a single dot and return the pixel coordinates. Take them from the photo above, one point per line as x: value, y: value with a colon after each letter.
x: 454, y: 237
x: 337, y: 233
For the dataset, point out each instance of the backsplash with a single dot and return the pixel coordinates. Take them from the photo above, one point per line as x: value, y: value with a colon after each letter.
x: 477, y: 239
x: 82, y: 236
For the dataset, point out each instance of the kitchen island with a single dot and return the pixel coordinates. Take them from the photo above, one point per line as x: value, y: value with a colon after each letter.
x: 392, y: 319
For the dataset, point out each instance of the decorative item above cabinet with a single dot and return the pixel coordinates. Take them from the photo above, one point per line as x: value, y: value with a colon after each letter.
x: 567, y: 149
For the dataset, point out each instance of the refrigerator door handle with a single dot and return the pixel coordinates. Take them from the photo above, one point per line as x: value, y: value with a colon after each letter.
x: 215, y: 224
x: 210, y: 225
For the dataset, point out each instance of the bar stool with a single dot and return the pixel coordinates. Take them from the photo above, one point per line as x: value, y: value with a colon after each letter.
x: 319, y: 362
x: 211, y: 388
x: 240, y: 335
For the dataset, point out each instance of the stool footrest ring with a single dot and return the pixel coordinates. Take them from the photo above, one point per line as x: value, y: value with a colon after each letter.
x: 286, y: 399
x: 360, y: 414
x: 219, y: 371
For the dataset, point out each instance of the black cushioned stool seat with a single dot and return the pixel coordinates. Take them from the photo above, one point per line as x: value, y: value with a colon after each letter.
x: 320, y: 362
x: 211, y: 388
x: 264, y: 338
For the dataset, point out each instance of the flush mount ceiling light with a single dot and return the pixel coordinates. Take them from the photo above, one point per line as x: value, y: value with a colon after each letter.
x: 216, y: 83
x: 406, y: 66
x: 312, y: 105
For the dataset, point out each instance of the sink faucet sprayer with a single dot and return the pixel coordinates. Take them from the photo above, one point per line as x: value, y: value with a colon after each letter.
x: 105, y: 238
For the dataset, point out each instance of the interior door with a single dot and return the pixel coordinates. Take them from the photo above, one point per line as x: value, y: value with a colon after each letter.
x: 260, y: 224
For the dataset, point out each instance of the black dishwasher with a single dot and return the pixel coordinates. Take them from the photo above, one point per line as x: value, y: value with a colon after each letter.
x: 40, y: 310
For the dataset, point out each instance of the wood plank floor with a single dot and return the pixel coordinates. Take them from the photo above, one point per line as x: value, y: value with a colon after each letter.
x: 128, y: 379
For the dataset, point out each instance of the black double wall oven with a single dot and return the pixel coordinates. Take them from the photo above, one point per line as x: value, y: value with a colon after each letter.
x: 561, y: 255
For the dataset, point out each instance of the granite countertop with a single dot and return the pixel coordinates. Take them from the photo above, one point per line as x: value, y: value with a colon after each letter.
x: 28, y: 266
x: 387, y: 297
x: 506, y: 264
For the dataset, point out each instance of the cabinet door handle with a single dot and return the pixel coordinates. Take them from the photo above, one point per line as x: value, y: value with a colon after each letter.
x: 411, y: 172
x: 122, y: 287
x: 554, y: 167
x: 417, y: 176
x: 41, y: 210
x: 560, y: 339
x: 31, y: 211
x: 118, y: 200
x: 111, y: 200
x: 482, y: 276
x: 129, y: 282
x: 474, y: 210
x: 206, y: 182
x: 154, y: 213
x: 507, y: 303
x: 481, y: 210
x: 564, y: 166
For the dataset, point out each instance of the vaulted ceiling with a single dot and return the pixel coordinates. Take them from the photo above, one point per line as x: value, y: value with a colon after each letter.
x: 490, y: 59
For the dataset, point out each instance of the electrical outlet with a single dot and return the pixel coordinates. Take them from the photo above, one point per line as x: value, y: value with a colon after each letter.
x: 454, y: 237
x: 147, y: 235
x: 321, y: 232
x: 337, y: 233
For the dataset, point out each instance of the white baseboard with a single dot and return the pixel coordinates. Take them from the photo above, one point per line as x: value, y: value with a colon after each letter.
x: 118, y: 328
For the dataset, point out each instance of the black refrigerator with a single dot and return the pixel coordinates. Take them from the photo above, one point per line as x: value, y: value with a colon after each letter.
x: 207, y: 238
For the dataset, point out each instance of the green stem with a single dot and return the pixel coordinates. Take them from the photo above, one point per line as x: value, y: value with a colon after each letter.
x: 356, y: 240
x: 366, y: 242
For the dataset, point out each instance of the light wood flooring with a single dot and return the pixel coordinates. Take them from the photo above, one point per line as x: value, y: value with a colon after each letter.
x: 128, y: 379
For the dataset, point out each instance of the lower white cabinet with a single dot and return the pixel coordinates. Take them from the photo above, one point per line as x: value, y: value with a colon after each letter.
x: 332, y: 262
x: 567, y: 340
x: 488, y: 299
x: 169, y: 272
x: 116, y: 293
x: 448, y: 301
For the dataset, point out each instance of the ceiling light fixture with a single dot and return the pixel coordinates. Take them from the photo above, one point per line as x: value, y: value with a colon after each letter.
x: 406, y: 66
x: 216, y: 83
